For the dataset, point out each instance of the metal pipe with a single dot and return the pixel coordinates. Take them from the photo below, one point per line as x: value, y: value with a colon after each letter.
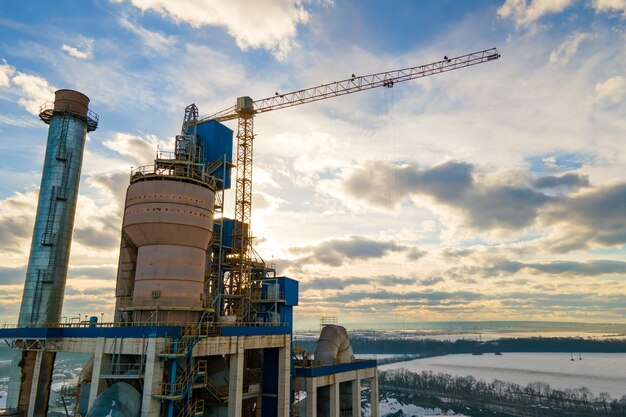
x: 333, y: 346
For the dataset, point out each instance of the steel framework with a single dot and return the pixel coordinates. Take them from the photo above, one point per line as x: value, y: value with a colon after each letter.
x: 237, y: 300
x: 239, y: 279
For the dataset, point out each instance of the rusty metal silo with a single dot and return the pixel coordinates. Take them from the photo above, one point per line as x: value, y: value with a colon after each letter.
x: 167, y: 228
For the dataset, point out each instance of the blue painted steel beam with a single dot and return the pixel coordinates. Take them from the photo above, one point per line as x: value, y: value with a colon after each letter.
x: 334, y: 369
x: 254, y: 330
x: 89, y: 332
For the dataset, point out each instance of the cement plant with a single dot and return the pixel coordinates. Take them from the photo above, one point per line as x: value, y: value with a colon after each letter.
x: 202, y: 326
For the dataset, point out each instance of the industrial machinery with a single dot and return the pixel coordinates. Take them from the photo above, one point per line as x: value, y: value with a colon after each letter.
x: 245, y: 109
x: 203, y: 327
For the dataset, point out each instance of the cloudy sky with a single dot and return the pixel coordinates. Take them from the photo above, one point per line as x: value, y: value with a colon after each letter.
x: 496, y: 192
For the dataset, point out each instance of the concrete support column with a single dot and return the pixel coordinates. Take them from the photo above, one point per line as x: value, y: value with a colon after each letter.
x: 34, y: 388
x: 30, y: 380
x: 259, y: 405
x: 334, y: 399
x: 15, y: 380
x: 235, y: 380
x: 356, y: 398
x: 374, y: 394
x: 150, y: 406
x: 311, y: 398
x: 98, y: 359
x: 284, y: 380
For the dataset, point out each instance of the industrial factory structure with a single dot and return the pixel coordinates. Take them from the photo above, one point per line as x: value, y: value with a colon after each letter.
x: 202, y: 325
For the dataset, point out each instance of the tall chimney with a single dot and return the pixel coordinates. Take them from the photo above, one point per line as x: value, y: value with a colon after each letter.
x: 69, y: 119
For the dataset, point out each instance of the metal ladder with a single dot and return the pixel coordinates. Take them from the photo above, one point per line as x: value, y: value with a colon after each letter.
x: 62, y: 148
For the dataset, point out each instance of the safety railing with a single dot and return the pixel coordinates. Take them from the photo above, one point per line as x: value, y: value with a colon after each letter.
x: 165, y: 155
x: 203, y: 329
x: 128, y: 370
x: 312, y: 363
x: 161, y: 303
x: 47, y: 110
x: 257, y: 295
x: 178, y: 348
x: 219, y: 393
x: 184, y: 382
x: 198, y: 408
x: 173, y: 169
x: 69, y: 390
x: 192, y: 410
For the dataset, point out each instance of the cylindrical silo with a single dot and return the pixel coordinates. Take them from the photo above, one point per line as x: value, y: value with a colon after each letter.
x: 69, y: 119
x: 167, y: 228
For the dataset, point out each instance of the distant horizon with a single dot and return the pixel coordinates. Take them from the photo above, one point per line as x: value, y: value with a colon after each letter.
x: 477, y: 326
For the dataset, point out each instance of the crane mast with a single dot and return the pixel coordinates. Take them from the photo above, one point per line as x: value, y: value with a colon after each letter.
x: 238, y: 282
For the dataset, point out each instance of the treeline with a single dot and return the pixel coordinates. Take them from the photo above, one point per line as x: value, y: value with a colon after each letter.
x: 536, y: 398
x: 431, y: 347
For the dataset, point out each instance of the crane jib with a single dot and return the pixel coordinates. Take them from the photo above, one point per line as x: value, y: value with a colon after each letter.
x: 358, y: 83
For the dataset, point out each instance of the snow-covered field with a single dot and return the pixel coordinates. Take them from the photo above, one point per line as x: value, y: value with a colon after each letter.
x: 375, y: 356
x: 391, y: 405
x: 484, y: 335
x: 600, y: 372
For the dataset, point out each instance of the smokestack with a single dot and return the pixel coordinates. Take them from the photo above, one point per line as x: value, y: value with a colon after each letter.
x: 69, y: 119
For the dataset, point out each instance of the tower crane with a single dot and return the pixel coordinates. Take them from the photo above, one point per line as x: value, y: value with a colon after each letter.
x: 246, y: 109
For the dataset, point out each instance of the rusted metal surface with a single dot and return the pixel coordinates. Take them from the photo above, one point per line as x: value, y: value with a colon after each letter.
x: 167, y: 227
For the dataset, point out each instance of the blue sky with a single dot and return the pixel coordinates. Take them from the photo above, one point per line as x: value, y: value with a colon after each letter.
x: 494, y: 192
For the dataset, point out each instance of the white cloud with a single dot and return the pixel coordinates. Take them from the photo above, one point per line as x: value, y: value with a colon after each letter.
x: 525, y: 13
x: 6, y: 72
x: 34, y: 91
x: 269, y: 24
x: 85, y: 51
x: 566, y: 50
x: 154, y: 40
x: 31, y: 90
x: 17, y: 213
x: 609, y: 5
x: 198, y: 79
x: 612, y: 90
x: 140, y: 149
x: 20, y: 121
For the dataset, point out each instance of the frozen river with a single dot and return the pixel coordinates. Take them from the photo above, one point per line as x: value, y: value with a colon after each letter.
x: 600, y: 372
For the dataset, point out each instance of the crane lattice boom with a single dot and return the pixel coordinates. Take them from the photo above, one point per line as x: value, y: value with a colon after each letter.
x: 358, y: 83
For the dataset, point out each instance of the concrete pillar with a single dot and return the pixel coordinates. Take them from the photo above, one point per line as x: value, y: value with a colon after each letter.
x: 153, y: 377
x: 311, y: 397
x: 334, y: 399
x: 259, y: 405
x: 34, y: 388
x: 31, y: 370
x: 235, y: 380
x: 98, y: 360
x: 284, y: 380
x: 356, y: 398
x: 15, y: 380
x: 374, y: 395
